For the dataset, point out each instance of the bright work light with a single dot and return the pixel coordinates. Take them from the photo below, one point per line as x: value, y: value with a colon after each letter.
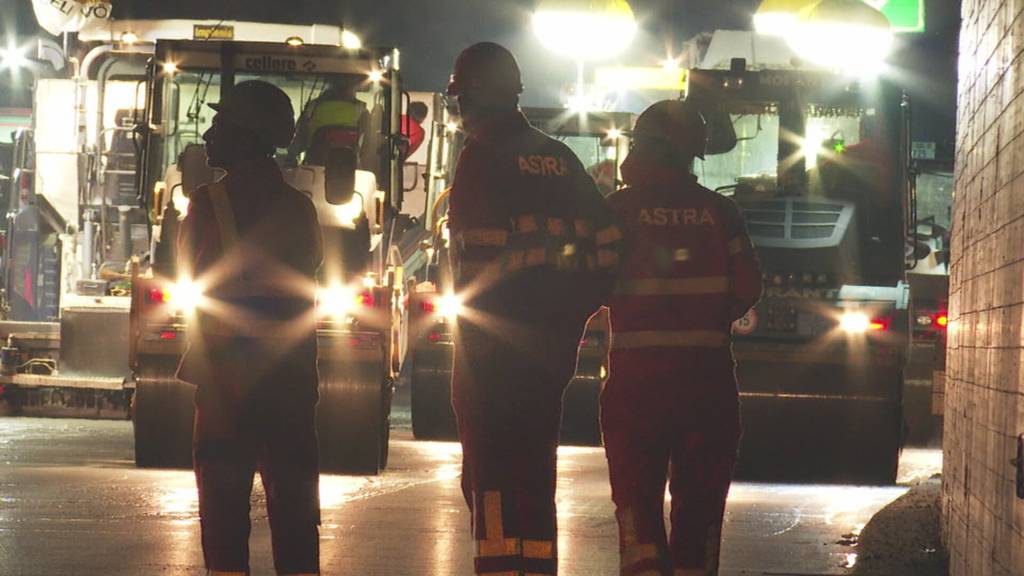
x: 585, y: 30
x: 844, y: 34
x: 779, y: 17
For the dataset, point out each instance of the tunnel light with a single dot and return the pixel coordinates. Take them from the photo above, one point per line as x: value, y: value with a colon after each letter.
x: 585, y: 30
x: 376, y: 76
x: 294, y: 41
x: 129, y: 38
x: 350, y: 41
x: 614, y: 134
x: 170, y: 68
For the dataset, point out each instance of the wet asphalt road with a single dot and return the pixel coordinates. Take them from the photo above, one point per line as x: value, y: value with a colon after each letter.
x: 72, y: 503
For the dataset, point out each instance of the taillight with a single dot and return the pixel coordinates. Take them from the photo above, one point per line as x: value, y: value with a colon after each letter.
x: 428, y: 306
x: 366, y: 300
x: 158, y: 296
x: 941, y: 321
x: 879, y: 324
x: 168, y: 335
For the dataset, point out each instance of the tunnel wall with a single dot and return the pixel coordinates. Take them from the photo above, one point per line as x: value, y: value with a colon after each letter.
x: 983, y: 520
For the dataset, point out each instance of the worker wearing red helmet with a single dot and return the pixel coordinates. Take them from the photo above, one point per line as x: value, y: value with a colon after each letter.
x: 671, y: 404
x: 253, y: 243
x: 533, y: 249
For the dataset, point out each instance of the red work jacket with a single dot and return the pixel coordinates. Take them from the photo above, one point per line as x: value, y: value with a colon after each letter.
x: 253, y: 244
x: 533, y: 239
x: 689, y: 269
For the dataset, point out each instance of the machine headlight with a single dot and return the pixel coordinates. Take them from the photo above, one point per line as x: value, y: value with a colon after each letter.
x: 860, y: 323
x: 449, y: 306
x: 186, y: 295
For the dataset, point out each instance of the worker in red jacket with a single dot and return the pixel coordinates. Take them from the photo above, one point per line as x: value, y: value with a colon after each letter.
x: 671, y: 403
x: 253, y: 243
x: 534, y: 245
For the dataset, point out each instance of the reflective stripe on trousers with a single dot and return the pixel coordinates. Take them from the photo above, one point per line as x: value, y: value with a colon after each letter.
x: 669, y: 339
x: 700, y: 286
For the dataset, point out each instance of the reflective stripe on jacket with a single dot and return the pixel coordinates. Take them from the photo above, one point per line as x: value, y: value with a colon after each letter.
x: 687, y: 269
x: 529, y: 224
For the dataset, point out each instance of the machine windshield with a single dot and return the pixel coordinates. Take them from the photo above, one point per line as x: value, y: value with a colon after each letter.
x: 188, y: 116
x: 830, y: 133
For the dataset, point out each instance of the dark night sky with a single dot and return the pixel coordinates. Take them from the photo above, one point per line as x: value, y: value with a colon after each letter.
x: 431, y: 33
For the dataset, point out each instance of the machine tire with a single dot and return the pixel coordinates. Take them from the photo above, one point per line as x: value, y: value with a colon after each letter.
x: 163, y: 413
x: 431, y: 391
x: 353, y: 418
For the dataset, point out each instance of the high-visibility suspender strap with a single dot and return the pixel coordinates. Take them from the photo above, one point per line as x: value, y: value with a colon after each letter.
x: 674, y: 286
x: 668, y: 339
x: 224, y: 215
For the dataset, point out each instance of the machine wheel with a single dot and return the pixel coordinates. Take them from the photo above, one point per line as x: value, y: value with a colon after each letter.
x: 353, y: 418
x: 431, y: 390
x: 163, y: 412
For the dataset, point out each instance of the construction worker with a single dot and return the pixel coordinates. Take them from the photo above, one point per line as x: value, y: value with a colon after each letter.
x: 253, y: 243
x: 533, y: 247
x: 671, y: 402
x: 336, y: 120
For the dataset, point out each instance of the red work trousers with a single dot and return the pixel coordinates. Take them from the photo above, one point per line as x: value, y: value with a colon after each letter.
x: 267, y: 428
x: 508, y: 402
x: 673, y: 411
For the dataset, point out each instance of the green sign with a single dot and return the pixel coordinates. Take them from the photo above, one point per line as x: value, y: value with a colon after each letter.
x: 904, y: 15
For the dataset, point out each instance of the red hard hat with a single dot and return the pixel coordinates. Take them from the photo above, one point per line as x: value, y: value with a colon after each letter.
x: 486, y: 66
x: 677, y: 123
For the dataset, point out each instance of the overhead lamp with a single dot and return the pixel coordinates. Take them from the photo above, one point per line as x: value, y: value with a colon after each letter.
x: 585, y: 29
x: 847, y: 35
x: 129, y: 38
x: 376, y: 76
x: 350, y: 41
x: 780, y: 17
x: 294, y: 41
x: 169, y: 68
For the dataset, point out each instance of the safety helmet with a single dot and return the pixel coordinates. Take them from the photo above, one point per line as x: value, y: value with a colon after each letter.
x: 262, y: 108
x: 677, y: 123
x: 487, y: 66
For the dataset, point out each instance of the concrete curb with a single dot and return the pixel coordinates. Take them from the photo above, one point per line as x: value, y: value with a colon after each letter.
x: 904, y: 538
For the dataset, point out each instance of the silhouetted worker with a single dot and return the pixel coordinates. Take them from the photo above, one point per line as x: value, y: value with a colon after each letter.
x: 671, y: 403
x: 253, y: 243
x: 534, y: 247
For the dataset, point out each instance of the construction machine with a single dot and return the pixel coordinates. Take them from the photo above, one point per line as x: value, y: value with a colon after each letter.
x: 819, y: 164
x: 115, y: 245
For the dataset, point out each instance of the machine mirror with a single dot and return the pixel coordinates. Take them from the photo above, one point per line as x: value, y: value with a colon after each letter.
x: 721, y: 132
